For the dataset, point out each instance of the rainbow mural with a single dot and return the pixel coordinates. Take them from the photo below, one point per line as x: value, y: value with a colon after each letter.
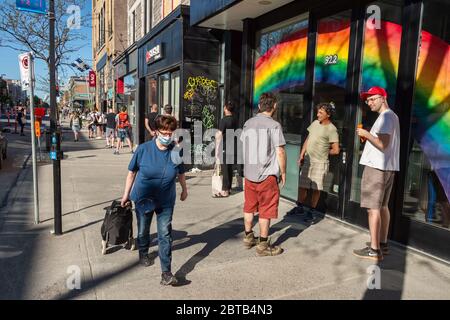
x: 432, y: 105
x: 282, y: 66
x: 332, y: 52
x: 381, y: 57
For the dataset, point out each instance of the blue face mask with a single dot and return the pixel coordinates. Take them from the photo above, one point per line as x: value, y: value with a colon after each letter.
x: 165, y: 141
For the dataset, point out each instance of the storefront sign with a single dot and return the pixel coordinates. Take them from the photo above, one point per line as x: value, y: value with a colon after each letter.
x: 92, y: 79
x: 154, y: 54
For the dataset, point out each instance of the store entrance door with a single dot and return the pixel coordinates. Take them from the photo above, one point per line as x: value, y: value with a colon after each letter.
x: 330, y: 86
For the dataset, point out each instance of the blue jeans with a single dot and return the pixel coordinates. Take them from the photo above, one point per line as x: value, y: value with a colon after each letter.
x: 164, y: 229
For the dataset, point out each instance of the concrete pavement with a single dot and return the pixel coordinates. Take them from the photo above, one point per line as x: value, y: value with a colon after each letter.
x: 208, y: 254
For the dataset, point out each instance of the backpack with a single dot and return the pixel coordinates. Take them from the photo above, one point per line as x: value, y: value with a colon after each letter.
x: 117, y: 227
x: 123, y: 120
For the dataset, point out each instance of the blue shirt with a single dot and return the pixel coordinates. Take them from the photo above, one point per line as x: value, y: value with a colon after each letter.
x: 149, y: 163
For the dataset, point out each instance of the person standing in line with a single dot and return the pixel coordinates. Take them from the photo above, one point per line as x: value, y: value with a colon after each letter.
x: 150, y: 120
x: 380, y: 159
x: 110, y: 128
x: 150, y: 184
x: 76, y: 125
x: 222, y: 156
x: 264, y: 165
x: 322, y: 141
x: 168, y: 110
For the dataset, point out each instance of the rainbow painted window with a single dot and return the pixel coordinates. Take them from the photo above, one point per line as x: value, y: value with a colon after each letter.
x: 380, y: 60
x: 280, y: 68
x: 428, y: 180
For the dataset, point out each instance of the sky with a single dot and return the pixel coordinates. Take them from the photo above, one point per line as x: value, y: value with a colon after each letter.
x: 9, y: 63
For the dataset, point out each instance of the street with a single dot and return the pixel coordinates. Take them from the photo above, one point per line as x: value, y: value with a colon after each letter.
x: 208, y: 255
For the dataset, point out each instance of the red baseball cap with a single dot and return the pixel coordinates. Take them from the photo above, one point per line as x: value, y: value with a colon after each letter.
x: 373, y: 91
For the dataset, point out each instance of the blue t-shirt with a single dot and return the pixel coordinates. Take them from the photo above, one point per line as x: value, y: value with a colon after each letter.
x: 149, y: 163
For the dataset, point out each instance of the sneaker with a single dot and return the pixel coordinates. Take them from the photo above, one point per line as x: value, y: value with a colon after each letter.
x: 168, y: 279
x: 250, y: 240
x: 145, y: 260
x: 116, y: 152
x: 383, y: 246
x: 309, y: 217
x: 295, y: 211
x: 264, y: 248
x: 369, y: 253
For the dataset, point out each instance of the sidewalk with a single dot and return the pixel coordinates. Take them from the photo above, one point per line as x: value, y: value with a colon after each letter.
x: 208, y: 251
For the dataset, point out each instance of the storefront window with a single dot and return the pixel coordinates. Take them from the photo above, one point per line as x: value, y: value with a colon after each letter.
x: 427, y: 187
x: 151, y: 93
x: 130, y: 96
x: 164, y: 93
x: 380, y: 67
x: 330, y: 74
x: 280, y: 68
x: 175, y: 93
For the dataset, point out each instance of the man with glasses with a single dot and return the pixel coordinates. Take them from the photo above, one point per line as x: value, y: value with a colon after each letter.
x: 381, y: 159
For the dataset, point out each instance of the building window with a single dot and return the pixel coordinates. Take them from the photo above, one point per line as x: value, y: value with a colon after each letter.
x: 427, y: 189
x: 133, y: 27
x: 380, y: 61
x: 280, y: 68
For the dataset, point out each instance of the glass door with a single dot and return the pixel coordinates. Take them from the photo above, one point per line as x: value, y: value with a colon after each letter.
x: 330, y: 82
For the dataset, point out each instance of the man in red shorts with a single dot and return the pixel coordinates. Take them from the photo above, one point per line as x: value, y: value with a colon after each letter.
x: 264, y: 165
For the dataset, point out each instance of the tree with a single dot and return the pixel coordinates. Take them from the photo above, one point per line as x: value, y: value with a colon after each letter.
x: 25, y: 31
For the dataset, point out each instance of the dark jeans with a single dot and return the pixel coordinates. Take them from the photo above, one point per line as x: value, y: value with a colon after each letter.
x: 227, y: 172
x: 164, y: 229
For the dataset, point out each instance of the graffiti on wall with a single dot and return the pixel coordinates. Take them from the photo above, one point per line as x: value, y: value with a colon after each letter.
x: 201, y: 94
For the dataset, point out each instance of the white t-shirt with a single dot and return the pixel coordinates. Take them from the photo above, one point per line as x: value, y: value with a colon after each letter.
x: 389, y: 160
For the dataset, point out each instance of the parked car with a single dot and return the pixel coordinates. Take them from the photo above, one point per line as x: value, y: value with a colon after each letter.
x: 3, y: 148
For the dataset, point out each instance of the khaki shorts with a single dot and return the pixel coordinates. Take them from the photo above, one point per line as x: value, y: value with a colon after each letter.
x: 376, y: 187
x: 313, y: 175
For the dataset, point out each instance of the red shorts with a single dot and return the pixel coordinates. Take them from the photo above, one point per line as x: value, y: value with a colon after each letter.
x: 262, y: 197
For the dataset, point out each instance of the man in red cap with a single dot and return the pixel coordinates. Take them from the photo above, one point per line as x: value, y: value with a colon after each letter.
x: 381, y: 159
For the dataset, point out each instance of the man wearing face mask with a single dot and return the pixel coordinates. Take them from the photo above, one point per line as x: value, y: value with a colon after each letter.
x: 150, y: 184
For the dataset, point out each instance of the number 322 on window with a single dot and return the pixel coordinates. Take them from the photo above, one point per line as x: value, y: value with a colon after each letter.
x: 331, y: 59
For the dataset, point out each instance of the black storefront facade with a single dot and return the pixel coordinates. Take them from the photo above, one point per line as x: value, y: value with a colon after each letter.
x: 319, y: 51
x: 179, y: 65
x: 126, y: 68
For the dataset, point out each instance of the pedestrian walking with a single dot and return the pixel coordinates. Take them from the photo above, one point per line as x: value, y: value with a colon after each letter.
x: 150, y: 184
x: 322, y: 141
x: 123, y: 124
x: 21, y: 120
x: 75, y: 125
x: 92, y: 125
x: 110, y: 128
x: 380, y: 159
x: 226, y: 158
x: 150, y: 120
x: 264, y: 166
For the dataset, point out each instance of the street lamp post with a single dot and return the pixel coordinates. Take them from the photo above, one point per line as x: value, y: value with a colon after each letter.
x: 55, y: 134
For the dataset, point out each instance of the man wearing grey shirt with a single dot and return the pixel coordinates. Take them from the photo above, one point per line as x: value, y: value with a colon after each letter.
x: 264, y: 166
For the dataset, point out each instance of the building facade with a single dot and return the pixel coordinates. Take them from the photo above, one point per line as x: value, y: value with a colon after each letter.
x: 109, y: 39
x: 156, y: 67
x: 316, y: 51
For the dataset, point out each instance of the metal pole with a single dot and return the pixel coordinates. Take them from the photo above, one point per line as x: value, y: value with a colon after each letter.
x: 33, y: 141
x: 53, y: 123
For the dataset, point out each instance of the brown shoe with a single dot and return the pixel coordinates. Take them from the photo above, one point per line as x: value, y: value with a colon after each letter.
x: 264, y: 248
x: 383, y: 246
x: 250, y: 240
